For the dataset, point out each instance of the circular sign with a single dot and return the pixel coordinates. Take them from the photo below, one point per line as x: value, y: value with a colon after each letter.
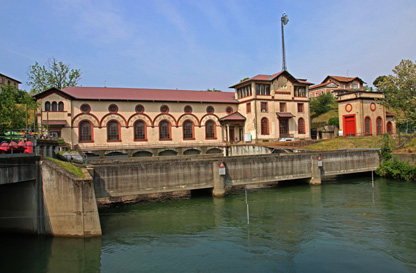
x: 348, y: 107
x: 373, y: 106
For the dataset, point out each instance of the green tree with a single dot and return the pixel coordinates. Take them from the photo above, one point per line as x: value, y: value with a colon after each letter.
x: 322, y: 104
x: 213, y: 90
x: 54, y: 74
x: 13, y: 108
x: 400, y: 90
x: 378, y: 80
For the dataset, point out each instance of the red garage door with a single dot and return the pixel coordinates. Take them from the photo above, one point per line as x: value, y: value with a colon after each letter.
x: 349, y: 125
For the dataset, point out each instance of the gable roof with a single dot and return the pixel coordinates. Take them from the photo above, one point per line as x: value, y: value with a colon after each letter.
x: 269, y: 78
x: 236, y: 116
x: 319, y: 85
x: 141, y: 94
x: 342, y: 79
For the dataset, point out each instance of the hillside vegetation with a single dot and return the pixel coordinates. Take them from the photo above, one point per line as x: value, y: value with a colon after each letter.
x: 366, y: 142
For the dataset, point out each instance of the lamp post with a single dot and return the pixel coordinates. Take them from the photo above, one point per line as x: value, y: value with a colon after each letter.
x: 284, y: 20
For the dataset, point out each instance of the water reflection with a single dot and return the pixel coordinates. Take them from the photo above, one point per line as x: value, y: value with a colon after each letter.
x: 341, y: 226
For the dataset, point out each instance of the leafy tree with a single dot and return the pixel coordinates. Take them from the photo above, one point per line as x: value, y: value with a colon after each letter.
x: 246, y: 78
x: 54, y: 74
x: 378, y: 80
x: 322, y: 104
x: 366, y: 88
x: 213, y: 90
x: 13, y: 109
x: 400, y: 90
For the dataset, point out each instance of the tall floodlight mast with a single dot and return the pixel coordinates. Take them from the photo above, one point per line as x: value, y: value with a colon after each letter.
x: 284, y: 20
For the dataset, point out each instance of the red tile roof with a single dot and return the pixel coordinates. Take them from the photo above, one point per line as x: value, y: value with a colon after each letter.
x: 318, y: 85
x: 144, y: 94
x: 262, y: 77
x: 342, y: 79
x: 233, y: 117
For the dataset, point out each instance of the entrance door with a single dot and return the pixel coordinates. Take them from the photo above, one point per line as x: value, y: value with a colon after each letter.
x: 283, y: 127
x: 241, y: 135
x: 232, y: 134
x: 349, y: 125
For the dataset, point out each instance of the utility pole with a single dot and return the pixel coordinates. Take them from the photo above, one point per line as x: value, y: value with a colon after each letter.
x: 284, y: 20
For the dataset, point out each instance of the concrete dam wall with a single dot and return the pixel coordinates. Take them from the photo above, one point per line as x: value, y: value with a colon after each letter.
x: 124, y: 181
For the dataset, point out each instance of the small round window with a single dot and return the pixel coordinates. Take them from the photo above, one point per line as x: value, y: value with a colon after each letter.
x: 164, y: 109
x: 229, y: 110
x: 139, y: 108
x: 210, y: 110
x: 188, y: 109
x: 85, y: 108
x: 373, y: 106
x: 113, y: 108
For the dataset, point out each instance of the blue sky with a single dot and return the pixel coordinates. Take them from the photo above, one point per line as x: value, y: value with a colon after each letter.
x: 198, y: 44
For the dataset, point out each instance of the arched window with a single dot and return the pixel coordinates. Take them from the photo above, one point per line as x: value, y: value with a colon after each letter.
x: 188, y: 130
x: 264, y: 126
x: 85, y: 132
x: 139, y: 130
x: 210, y: 132
x: 389, y: 128
x: 367, y: 126
x: 113, y: 131
x: 164, y: 130
x: 61, y: 106
x: 379, y: 126
x: 54, y: 106
x: 47, y: 106
x: 301, y: 126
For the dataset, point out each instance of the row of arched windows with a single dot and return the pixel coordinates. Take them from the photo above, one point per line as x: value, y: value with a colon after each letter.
x: 54, y: 106
x: 264, y: 126
x: 379, y: 126
x: 140, y: 130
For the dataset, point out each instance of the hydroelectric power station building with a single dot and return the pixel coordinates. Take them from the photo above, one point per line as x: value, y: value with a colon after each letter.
x: 262, y: 108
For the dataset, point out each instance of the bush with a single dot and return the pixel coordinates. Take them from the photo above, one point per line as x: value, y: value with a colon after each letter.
x: 397, y: 169
x: 334, y: 121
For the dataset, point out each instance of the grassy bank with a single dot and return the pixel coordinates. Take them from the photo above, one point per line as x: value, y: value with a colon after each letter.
x: 68, y: 166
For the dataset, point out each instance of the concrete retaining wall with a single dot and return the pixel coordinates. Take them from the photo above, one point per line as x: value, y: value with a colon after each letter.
x: 18, y: 168
x: 70, y: 207
x: 411, y: 158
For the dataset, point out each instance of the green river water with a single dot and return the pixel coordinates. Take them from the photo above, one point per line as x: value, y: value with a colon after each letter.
x: 343, y: 225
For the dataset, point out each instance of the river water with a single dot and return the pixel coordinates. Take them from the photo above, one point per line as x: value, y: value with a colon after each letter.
x: 341, y: 226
